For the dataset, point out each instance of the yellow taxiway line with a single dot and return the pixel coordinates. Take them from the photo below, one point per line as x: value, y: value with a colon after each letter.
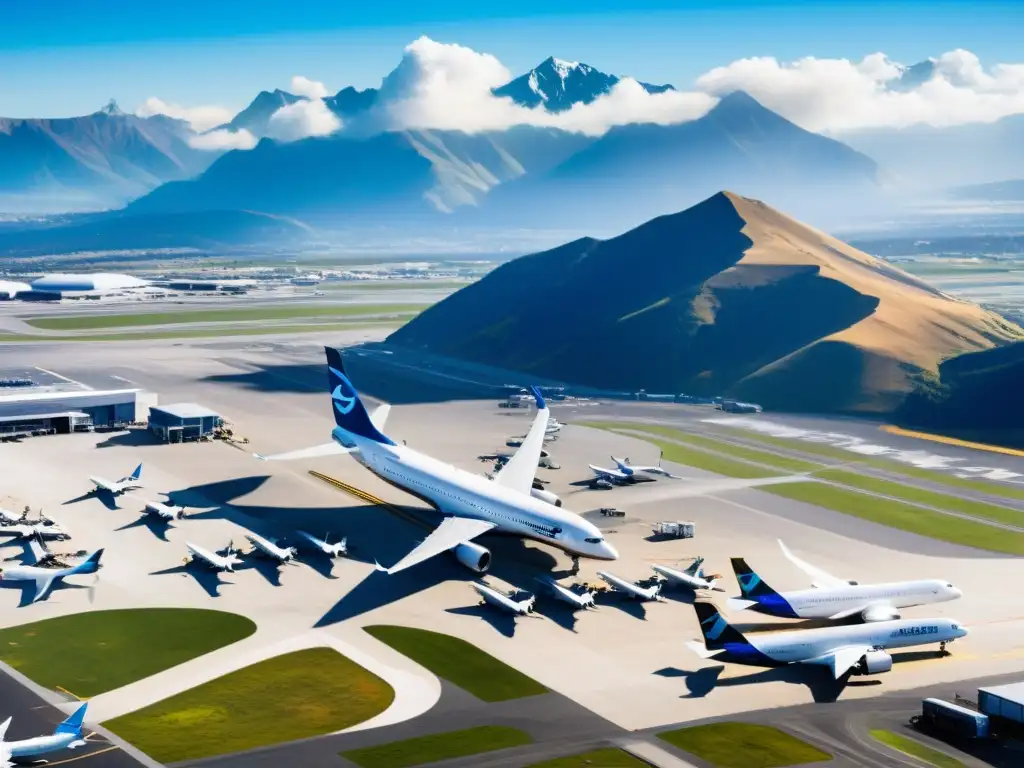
x: 892, y: 430
x: 369, y: 498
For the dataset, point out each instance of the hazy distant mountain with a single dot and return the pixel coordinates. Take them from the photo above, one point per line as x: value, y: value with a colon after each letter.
x: 557, y: 85
x: 349, y: 101
x: 931, y: 157
x: 641, y: 170
x: 996, y: 191
x: 728, y: 297
x: 100, y: 159
x: 256, y: 116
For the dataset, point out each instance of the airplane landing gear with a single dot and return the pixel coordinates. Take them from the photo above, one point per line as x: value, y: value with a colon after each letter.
x: 575, y: 565
x: 942, y: 647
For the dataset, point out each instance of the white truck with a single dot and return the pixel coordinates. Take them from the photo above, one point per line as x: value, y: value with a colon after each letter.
x: 675, y: 529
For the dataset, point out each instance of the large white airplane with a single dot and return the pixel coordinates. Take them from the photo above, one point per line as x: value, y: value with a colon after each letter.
x: 219, y: 562
x: 46, y: 578
x: 129, y: 483
x: 692, y: 576
x: 68, y: 735
x: 626, y: 473
x: 860, y: 648
x: 834, y: 598
x: 492, y: 596
x: 471, y: 504
x: 271, y: 549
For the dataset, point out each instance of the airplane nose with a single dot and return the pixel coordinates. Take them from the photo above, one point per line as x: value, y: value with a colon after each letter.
x: 608, y: 552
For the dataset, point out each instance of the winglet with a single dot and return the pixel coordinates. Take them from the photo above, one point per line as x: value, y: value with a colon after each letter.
x: 73, y: 724
x: 378, y: 567
x: 541, y: 405
x: 3, y: 728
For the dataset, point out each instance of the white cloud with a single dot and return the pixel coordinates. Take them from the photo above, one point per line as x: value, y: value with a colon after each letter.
x: 311, y: 89
x: 301, y: 120
x: 223, y: 139
x: 448, y: 87
x: 200, y: 118
x: 837, y: 95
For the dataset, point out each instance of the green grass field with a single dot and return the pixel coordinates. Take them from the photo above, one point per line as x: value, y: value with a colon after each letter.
x: 598, y: 758
x: 91, y: 653
x: 295, y: 696
x: 840, y: 455
x: 916, y: 749
x: 459, y: 662
x: 744, y: 745
x: 850, y: 501
x: 438, y: 746
x: 234, y: 315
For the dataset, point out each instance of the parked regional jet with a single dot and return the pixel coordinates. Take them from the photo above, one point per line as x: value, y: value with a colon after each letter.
x: 861, y: 649
x: 629, y: 588
x: 271, y: 549
x: 626, y: 473
x: 692, y: 577
x: 219, y: 562
x: 505, y: 602
x: 129, y: 483
x: 577, y: 598
x: 45, y: 529
x: 47, y: 578
x: 833, y: 598
x: 339, y: 549
x: 67, y: 736
x: 164, y: 511
x: 471, y: 504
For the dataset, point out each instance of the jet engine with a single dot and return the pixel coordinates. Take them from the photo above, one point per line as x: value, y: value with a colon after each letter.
x: 548, y: 496
x: 473, y: 556
x: 873, y: 663
x: 879, y: 613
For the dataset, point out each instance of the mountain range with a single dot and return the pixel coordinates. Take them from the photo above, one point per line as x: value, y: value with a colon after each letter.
x: 729, y: 297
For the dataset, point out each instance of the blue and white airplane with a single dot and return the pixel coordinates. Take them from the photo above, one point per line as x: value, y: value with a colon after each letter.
x: 47, y: 578
x: 471, y: 504
x: 129, y: 483
x: 861, y: 648
x: 67, y: 736
x: 626, y: 473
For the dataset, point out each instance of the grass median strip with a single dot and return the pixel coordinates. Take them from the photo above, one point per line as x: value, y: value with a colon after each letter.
x: 916, y: 749
x: 438, y: 746
x: 233, y: 315
x: 91, y: 653
x: 459, y: 662
x: 893, y: 512
x: 744, y: 745
x: 294, y: 696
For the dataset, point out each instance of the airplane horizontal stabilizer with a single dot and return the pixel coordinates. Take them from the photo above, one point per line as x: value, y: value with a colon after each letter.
x: 739, y: 604
x: 700, y: 650
x: 327, y: 449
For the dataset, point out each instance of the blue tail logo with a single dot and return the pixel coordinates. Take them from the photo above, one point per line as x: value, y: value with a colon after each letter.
x: 343, y: 403
x: 748, y: 582
x: 717, y: 626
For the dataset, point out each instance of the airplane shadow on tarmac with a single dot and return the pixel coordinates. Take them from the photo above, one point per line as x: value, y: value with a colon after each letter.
x: 156, y: 525
x: 819, y: 681
x: 28, y: 590
x: 206, y: 578
x: 130, y: 438
x: 106, y: 498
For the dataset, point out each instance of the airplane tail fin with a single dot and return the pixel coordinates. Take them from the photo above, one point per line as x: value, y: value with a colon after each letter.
x: 716, y: 630
x: 90, y: 565
x: 136, y: 473
x: 73, y: 725
x: 694, y: 568
x: 349, y: 412
x: 751, y: 585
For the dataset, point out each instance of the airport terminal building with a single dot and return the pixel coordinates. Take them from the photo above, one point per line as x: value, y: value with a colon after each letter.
x: 34, y: 412
x: 182, y: 421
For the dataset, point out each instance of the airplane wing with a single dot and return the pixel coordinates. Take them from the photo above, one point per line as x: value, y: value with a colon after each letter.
x: 821, y: 578
x: 327, y: 449
x: 519, y: 471
x: 609, y: 473
x: 35, y: 550
x: 450, y: 533
x: 841, y: 660
x: 44, y: 580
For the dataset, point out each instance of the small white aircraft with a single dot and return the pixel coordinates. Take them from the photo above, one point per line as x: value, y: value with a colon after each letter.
x: 216, y: 560
x: 11, y: 518
x: 340, y: 549
x: 46, y: 578
x: 505, y: 602
x: 68, y: 735
x: 692, y: 576
x: 626, y: 473
x: 129, y: 483
x: 583, y: 598
x: 271, y: 549
x: 834, y: 598
x: 164, y: 511
x: 44, y: 529
x: 629, y: 588
x: 860, y: 649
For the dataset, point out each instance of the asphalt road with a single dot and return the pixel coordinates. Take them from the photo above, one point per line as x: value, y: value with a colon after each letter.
x: 35, y: 717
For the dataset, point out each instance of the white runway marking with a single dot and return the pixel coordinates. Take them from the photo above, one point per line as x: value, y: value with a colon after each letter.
x: 63, y: 378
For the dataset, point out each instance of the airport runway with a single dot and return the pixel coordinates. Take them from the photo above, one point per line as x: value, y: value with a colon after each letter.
x: 625, y: 663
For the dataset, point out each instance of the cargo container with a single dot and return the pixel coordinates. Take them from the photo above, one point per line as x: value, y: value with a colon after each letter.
x: 675, y: 528
x: 951, y: 720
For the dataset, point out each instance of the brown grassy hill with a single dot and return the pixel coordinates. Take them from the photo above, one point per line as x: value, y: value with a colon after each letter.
x: 728, y: 297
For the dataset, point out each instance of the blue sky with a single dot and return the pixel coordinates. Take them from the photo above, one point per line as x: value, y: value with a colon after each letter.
x: 64, y: 57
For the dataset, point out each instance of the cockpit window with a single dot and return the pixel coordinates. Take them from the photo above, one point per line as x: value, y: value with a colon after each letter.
x: 950, y: 586
x: 598, y: 540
